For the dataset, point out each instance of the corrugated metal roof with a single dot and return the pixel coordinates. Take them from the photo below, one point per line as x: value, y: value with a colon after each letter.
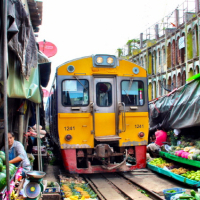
x: 35, y: 9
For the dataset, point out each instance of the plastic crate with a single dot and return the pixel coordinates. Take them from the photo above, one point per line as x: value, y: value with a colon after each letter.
x: 169, y: 195
x: 55, y: 189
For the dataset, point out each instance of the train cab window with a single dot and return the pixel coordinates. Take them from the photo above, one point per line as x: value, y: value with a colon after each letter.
x: 132, y: 92
x: 104, y: 94
x: 75, y: 92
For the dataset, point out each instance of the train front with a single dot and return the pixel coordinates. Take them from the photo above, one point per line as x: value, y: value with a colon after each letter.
x: 102, y: 106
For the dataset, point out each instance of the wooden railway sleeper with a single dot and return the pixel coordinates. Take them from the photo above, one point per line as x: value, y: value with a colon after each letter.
x: 100, y: 196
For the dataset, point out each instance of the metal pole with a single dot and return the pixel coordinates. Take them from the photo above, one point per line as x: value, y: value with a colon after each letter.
x: 4, y: 65
x: 38, y: 138
x: 21, y: 124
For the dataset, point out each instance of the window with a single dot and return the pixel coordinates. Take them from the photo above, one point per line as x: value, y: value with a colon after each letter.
x: 75, y: 92
x: 132, y: 93
x: 104, y: 94
x: 159, y: 57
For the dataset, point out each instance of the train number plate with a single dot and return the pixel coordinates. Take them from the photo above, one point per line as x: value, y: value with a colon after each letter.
x: 139, y: 125
x: 69, y: 128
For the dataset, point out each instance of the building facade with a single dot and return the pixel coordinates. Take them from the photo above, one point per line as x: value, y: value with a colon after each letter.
x: 169, y: 50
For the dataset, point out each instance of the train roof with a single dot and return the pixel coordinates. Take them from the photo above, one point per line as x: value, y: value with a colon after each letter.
x: 85, y: 65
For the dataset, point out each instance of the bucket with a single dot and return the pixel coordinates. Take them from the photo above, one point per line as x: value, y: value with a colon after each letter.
x: 169, y: 195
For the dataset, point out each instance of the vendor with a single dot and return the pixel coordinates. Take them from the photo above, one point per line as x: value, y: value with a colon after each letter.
x: 34, y: 128
x: 17, y: 154
x: 161, y: 138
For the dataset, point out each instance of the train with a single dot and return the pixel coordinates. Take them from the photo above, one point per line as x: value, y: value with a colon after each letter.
x: 97, y: 114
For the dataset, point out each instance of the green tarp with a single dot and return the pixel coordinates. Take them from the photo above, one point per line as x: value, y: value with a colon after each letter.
x: 18, y: 86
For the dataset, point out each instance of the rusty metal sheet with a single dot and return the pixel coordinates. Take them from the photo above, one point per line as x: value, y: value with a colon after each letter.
x: 104, y: 187
x: 124, y: 186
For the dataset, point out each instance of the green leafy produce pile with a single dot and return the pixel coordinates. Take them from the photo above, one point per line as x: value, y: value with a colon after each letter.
x: 77, y: 191
x: 171, y: 191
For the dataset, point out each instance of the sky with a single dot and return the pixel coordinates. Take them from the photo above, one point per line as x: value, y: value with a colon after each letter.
x: 81, y: 28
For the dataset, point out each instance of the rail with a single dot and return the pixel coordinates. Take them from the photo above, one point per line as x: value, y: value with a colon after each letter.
x: 119, y: 187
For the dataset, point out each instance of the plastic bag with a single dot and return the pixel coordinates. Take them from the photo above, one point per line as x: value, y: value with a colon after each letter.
x: 176, y: 196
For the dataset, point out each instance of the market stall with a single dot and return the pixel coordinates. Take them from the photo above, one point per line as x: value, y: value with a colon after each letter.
x: 178, y: 114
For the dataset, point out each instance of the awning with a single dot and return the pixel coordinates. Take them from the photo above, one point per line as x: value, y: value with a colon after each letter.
x: 45, y: 68
x: 45, y: 72
x: 18, y: 86
x: 23, y: 43
x: 178, y: 110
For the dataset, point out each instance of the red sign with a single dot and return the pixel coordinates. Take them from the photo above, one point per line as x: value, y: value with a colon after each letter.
x: 48, y: 48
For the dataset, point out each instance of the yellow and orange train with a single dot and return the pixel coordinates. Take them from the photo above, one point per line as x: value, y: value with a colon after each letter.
x: 97, y: 114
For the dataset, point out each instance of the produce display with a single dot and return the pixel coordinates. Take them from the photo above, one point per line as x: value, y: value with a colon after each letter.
x: 193, y: 175
x: 12, y: 170
x: 190, y: 174
x: 180, y: 170
x: 188, y: 149
x: 160, y: 162
x: 76, y: 189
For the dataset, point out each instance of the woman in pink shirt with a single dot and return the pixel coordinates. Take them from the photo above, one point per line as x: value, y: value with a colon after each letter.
x: 161, y: 136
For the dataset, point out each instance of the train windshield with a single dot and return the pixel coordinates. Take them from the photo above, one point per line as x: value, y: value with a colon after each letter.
x: 132, y: 92
x: 104, y: 94
x: 75, y: 92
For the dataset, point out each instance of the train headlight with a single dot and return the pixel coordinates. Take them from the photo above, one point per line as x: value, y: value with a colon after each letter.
x: 141, y: 135
x: 136, y: 70
x: 99, y: 60
x: 68, y: 137
x: 110, y: 60
x: 70, y: 68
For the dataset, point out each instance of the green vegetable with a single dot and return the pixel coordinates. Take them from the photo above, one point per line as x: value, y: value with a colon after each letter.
x: 2, y: 181
x: 1, y: 166
x: 3, y: 157
x: 193, y: 193
x: 142, y: 191
x: 185, y: 197
x: 171, y: 191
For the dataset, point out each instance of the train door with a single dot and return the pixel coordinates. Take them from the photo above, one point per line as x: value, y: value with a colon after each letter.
x: 105, y: 107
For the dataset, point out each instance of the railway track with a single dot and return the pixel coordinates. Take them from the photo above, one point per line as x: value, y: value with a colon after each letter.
x: 140, y: 184
x: 116, y: 186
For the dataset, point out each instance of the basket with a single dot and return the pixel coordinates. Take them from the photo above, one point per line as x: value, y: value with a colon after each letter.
x: 55, y: 189
x: 169, y: 195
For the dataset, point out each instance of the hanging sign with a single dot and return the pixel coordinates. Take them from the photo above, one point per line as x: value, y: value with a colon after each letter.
x: 48, y: 48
